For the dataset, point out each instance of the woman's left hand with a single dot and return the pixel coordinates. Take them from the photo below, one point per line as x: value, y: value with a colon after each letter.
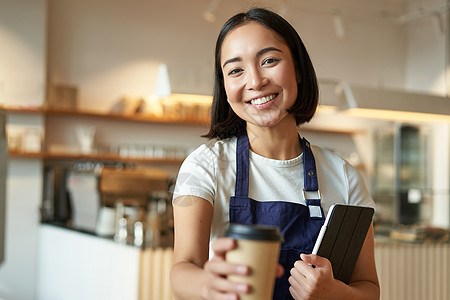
x: 312, y: 278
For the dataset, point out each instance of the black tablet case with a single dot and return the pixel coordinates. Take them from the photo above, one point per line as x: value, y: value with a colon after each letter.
x: 343, y: 239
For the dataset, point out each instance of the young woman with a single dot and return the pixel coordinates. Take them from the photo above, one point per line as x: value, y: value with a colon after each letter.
x: 257, y: 169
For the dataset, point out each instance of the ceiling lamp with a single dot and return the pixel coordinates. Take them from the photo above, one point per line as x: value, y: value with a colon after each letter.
x: 210, y: 13
x: 162, y: 86
x: 338, y: 23
x: 391, y: 105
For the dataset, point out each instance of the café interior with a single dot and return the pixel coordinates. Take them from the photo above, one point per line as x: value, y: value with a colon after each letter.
x: 101, y: 101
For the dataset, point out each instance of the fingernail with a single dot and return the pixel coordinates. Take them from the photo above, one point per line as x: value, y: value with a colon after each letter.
x: 241, y: 270
x: 242, y: 288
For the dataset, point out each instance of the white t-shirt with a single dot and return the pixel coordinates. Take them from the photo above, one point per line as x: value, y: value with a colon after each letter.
x: 210, y: 172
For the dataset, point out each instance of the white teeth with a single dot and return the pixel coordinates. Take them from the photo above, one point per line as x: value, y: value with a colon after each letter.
x: 262, y: 100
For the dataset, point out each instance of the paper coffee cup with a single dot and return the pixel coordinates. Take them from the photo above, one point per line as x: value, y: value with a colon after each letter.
x: 258, y: 247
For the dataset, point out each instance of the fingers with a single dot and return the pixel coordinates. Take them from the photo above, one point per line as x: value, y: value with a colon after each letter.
x: 315, y: 260
x: 279, y: 271
x: 295, y: 294
x: 307, y: 267
x: 223, y: 268
x: 219, y: 265
x: 310, y: 265
x: 218, y: 286
x: 222, y: 245
x: 218, y: 269
x: 298, y: 284
x: 221, y: 296
x: 310, y: 277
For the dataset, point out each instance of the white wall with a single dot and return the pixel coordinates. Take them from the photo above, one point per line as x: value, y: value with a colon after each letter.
x: 111, y: 48
x: 22, y: 79
x: 22, y: 52
x: 427, y: 52
x: 371, y: 53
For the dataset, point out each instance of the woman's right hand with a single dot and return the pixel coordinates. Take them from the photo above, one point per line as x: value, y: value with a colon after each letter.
x: 217, y: 286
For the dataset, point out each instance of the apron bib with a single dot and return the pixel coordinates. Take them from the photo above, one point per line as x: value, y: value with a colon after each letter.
x: 299, y: 224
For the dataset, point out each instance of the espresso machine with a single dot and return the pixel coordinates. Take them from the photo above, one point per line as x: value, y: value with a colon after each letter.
x: 138, y: 198
x: 128, y: 203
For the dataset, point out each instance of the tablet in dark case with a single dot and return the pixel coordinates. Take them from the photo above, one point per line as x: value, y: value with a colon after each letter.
x: 342, y: 237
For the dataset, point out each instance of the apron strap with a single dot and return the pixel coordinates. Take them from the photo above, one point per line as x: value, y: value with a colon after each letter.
x: 309, y: 168
x: 242, y: 166
x: 311, y: 183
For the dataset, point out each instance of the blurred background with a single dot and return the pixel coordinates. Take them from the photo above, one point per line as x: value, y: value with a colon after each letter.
x: 102, y: 100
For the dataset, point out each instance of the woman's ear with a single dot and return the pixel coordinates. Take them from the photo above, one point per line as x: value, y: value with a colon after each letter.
x: 298, y: 77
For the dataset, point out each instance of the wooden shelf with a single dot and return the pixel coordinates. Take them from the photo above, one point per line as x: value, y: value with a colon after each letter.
x: 93, y: 157
x: 135, y: 117
x: 110, y: 157
x: 64, y: 156
x: 332, y: 130
x: 153, y: 119
x: 21, y: 110
x: 52, y: 156
x: 30, y: 155
x: 93, y: 114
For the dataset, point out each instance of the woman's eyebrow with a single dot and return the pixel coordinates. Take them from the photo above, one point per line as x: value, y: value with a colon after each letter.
x: 235, y: 59
x: 258, y: 54
x: 265, y: 50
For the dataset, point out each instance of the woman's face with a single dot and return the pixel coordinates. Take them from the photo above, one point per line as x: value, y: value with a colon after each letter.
x: 259, y: 75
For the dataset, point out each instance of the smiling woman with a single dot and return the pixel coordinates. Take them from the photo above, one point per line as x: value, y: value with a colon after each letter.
x: 254, y: 173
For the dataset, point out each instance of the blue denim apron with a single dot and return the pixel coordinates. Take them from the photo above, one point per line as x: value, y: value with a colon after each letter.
x: 299, y: 224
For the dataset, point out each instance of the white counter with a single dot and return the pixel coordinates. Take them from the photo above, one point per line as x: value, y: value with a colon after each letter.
x: 74, y: 265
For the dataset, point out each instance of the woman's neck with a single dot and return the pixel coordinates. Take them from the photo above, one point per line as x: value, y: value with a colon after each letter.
x: 277, y: 142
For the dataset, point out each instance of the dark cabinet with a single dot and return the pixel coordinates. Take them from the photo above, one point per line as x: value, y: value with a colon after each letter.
x: 402, y: 174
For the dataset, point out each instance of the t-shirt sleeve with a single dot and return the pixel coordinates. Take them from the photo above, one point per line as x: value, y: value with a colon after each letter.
x: 196, y: 176
x: 358, y: 192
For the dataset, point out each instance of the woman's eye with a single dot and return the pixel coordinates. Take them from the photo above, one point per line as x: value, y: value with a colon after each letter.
x: 269, y: 61
x: 234, y: 71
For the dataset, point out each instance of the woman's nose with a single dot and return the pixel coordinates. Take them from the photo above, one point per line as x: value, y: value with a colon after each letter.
x: 256, y: 80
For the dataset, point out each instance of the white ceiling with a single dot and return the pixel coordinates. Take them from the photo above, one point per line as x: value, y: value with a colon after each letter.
x: 389, y: 9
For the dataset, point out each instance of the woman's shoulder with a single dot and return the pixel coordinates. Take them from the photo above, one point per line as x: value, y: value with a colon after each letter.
x: 339, y: 172
x: 322, y: 154
x: 331, y: 160
x: 213, y: 150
